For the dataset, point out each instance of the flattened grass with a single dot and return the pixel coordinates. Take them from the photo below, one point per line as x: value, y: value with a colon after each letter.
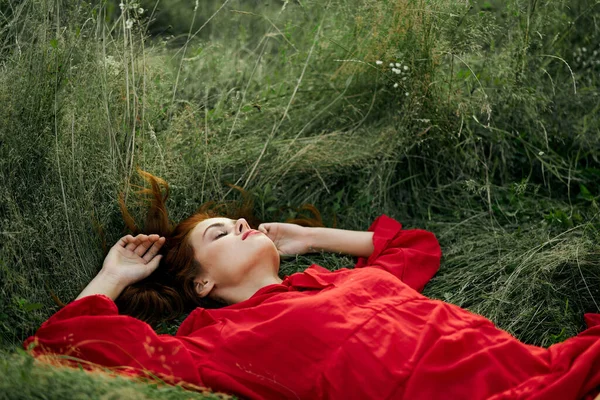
x: 23, y: 377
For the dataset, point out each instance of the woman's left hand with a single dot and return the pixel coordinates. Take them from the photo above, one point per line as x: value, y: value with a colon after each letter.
x: 290, y: 239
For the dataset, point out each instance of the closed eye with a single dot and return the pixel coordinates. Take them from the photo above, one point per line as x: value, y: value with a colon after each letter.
x: 221, y: 234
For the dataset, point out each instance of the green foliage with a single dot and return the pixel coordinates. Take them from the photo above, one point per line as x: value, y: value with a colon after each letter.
x: 486, y: 133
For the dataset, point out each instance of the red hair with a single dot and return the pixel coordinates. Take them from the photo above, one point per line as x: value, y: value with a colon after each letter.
x: 169, y: 291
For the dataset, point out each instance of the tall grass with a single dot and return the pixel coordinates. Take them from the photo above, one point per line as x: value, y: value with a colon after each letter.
x: 485, y: 133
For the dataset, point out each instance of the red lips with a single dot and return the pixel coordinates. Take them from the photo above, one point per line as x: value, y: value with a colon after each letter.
x: 250, y: 232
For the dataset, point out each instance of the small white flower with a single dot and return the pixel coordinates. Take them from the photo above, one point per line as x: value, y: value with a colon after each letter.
x: 112, y: 65
x: 583, y: 49
x: 121, y: 6
x: 129, y: 24
x: 406, y: 94
x: 392, y: 65
x: 378, y: 62
x: 403, y: 78
x: 395, y: 70
x: 541, y: 153
x: 406, y: 67
x: 398, y: 65
x: 140, y: 10
x: 395, y: 85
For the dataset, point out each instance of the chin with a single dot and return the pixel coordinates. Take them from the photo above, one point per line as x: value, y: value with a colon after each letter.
x: 275, y: 256
x: 268, y: 243
x: 266, y: 249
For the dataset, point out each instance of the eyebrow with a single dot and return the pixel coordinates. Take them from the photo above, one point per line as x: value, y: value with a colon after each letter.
x: 216, y: 224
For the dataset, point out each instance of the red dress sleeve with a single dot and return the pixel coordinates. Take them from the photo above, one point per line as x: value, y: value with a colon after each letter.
x: 91, y: 329
x: 412, y: 255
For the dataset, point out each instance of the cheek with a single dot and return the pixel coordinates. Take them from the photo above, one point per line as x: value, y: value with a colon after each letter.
x: 219, y: 252
x: 230, y: 256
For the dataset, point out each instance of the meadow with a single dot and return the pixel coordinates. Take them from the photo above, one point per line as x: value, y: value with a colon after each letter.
x: 476, y: 120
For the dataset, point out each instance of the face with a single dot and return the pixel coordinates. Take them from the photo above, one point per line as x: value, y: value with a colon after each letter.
x: 230, y: 252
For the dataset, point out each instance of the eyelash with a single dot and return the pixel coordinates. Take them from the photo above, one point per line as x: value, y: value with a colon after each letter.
x: 221, y: 234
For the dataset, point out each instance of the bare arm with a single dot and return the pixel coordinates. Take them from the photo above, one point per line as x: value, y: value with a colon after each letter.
x: 292, y: 239
x: 103, y: 284
x: 354, y: 243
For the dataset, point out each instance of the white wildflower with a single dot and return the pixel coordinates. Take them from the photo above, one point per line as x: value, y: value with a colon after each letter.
x: 395, y: 70
x: 406, y: 67
x: 129, y: 24
x: 583, y: 49
x: 398, y: 65
x: 140, y: 10
x: 541, y: 153
x: 395, y: 85
x: 112, y: 65
x: 378, y: 62
x: 403, y: 78
x: 406, y: 94
x: 121, y: 6
x: 392, y: 65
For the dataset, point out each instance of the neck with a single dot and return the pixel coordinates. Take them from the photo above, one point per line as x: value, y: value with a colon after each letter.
x: 237, y: 294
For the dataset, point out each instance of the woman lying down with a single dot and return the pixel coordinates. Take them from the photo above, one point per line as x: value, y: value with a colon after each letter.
x: 361, y: 333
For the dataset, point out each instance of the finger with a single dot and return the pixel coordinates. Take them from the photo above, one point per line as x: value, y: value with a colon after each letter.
x: 263, y: 228
x: 152, y: 265
x: 125, y: 240
x: 136, y: 242
x: 145, y: 245
x: 152, y: 251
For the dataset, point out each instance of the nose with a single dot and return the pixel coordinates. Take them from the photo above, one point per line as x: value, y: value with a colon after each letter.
x: 241, y: 226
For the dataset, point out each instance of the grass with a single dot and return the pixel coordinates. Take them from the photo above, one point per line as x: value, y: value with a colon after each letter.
x: 24, y: 378
x: 490, y: 140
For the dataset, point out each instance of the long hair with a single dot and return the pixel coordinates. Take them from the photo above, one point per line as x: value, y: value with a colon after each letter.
x: 169, y: 291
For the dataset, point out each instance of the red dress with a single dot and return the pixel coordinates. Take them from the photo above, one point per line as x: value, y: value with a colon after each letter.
x: 354, y: 333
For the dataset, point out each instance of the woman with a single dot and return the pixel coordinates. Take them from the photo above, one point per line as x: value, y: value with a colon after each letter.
x: 364, y: 332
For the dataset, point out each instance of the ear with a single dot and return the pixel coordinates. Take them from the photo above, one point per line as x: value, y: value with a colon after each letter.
x: 203, y: 286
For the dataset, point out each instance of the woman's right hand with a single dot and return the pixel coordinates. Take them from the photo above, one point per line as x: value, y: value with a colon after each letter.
x: 133, y: 258
x: 290, y: 239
